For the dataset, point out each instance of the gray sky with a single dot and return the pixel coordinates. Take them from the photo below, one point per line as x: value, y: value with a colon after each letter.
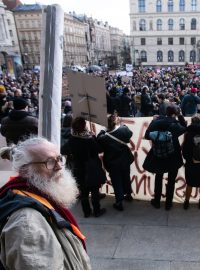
x: 115, y: 12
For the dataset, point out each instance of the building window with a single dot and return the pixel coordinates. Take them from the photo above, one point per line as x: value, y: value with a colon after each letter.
x: 142, y: 25
x: 159, y: 25
x: 193, y: 41
x: 182, y: 5
x: 141, y: 5
x: 193, y: 24
x: 170, y: 41
x: 8, y: 21
x: 159, y: 41
x: 143, y: 56
x: 159, y: 6
x: 194, y: 5
x: 181, y: 41
x: 181, y: 56
x: 170, y: 56
x: 170, y: 24
x: 159, y: 56
x: 11, y: 33
x: 170, y: 6
x: 13, y: 43
x: 192, y: 56
x: 182, y: 24
x: 143, y: 41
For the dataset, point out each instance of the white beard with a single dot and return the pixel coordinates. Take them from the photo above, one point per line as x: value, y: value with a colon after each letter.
x: 61, y: 188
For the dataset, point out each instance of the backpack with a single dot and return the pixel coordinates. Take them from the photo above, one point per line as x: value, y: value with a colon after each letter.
x: 196, y: 149
x: 162, y: 143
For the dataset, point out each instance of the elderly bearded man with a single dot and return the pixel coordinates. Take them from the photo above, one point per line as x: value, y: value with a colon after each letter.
x: 37, y: 230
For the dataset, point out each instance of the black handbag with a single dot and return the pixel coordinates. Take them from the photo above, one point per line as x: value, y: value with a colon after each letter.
x: 94, y: 173
x: 130, y: 155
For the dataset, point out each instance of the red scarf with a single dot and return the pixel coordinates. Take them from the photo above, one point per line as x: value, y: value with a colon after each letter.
x: 21, y: 184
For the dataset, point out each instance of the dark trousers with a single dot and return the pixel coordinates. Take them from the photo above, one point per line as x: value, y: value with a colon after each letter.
x: 85, y: 199
x: 120, y: 178
x: 170, y: 186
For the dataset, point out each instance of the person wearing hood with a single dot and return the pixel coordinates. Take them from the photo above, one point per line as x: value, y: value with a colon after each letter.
x: 19, y: 124
x: 192, y: 166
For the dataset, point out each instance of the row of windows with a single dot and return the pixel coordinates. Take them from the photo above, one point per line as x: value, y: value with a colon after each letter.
x: 171, y: 41
x: 159, y: 24
x: 170, y: 5
x: 170, y: 56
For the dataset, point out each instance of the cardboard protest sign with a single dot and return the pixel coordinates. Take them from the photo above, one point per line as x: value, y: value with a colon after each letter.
x: 88, y: 96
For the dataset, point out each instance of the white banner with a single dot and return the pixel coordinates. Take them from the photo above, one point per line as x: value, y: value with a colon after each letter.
x: 143, y: 181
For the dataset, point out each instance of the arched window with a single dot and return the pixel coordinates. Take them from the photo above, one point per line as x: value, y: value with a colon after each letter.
x: 192, y: 56
x: 193, y: 24
x: 170, y: 6
x: 182, y: 5
x: 158, y: 6
x: 194, y: 5
x: 159, y: 56
x: 159, y: 25
x: 141, y: 5
x: 182, y: 24
x: 170, y: 56
x: 181, y: 56
x: 142, y: 25
x: 170, y: 24
x: 143, y: 56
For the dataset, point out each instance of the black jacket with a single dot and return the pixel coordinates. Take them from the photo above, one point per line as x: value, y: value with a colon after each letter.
x: 192, y: 170
x: 146, y: 104
x: 18, y: 125
x: 82, y: 149
x: 154, y: 164
x: 115, y: 153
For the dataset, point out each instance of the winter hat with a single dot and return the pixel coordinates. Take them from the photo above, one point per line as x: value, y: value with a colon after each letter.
x: 19, y: 104
x: 194, y: 90
x: 2, y: 89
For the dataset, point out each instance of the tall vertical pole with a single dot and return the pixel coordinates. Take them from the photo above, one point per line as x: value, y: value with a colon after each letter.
x: 51, y: 73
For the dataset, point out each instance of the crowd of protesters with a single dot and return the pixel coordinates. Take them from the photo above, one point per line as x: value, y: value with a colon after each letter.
x: 148, y: 92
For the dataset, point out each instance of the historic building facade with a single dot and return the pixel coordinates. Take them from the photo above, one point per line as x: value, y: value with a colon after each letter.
x: 9, y: 45
x: 28, y: 23
x: 165, y: 32
x: 75, y: 47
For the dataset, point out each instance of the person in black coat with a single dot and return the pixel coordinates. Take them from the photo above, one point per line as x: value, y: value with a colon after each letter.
x: 116, y: 159
x: 82, y: 145
x: 170, y: 164
x: 146, y: 102
x: 192, y: 167
x: 19, y: 124
x: 125, y: 103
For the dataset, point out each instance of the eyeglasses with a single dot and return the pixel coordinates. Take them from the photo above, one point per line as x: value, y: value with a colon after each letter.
x: 50, y: 163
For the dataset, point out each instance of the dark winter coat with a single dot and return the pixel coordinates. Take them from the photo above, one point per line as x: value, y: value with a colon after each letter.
x: 125, y: 108
x: 192, y: 170
x: 146, y: 104
x: 189, y: 104
x: 115, y: 153
x: 154, y: 164
x: 18, y: 125
x: 82, y: 149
